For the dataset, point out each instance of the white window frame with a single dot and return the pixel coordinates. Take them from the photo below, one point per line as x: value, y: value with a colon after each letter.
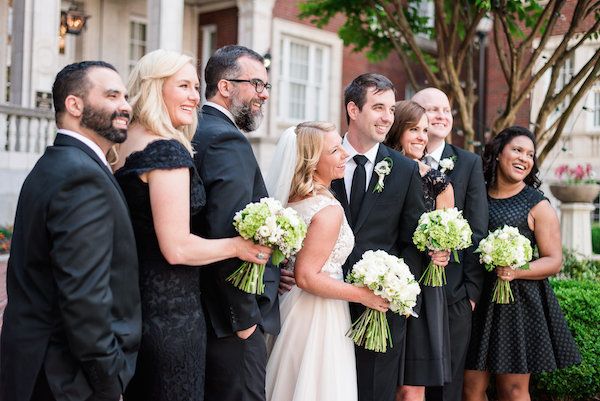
x: 331, y: 101
x: 137, y: 42
x: 207, y: 52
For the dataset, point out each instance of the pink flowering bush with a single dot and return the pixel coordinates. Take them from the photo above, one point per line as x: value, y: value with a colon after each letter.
x: 575, y: 175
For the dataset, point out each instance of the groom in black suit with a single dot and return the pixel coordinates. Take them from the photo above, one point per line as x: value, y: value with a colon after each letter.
x: 382, y: 220
x: 236, y: 359
x: 465, y: 278
x: 72, y: 325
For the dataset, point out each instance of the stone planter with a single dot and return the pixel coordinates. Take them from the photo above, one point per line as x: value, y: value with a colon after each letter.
x: 571, y: 193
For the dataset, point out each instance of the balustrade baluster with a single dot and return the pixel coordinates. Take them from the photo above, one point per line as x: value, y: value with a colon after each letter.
x: 12, y: 132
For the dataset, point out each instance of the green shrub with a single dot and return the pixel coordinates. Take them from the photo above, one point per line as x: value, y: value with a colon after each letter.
x: 596, y: 238
x: 576, y: 267
x: 5, y: 238
x: 580, y: 303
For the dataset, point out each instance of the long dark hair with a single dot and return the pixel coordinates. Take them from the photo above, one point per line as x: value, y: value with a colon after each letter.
x: 496, y: 146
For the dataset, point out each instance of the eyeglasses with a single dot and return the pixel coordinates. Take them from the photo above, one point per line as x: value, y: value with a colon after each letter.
x: 259, y: 85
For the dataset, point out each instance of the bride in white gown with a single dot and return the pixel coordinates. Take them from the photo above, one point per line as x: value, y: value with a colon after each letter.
x: 312, y: 359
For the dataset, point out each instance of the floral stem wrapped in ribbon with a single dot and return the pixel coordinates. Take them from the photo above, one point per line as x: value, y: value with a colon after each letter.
x: 390, y: 278
x: 505, y: 247
x: 441, y: 230
x: 267, y: 223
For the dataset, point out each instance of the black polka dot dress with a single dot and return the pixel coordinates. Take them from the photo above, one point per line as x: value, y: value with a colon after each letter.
x: 529, y: 335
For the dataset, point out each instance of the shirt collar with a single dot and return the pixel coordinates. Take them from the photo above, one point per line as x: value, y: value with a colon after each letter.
x: 370, y: 154
x: 88, y: 142
x: 437, y: 154
x: 222, y: 110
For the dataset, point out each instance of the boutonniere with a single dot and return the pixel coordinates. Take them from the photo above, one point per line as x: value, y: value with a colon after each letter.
x: 382, y: 169
x: 447, y: 164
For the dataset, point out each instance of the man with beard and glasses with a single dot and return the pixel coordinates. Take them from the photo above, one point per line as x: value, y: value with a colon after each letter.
x: 236, y: 356
x: 72, y: 325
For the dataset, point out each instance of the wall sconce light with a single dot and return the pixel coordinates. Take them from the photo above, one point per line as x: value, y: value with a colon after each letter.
x: 72, y: 21
x: 267, y: 60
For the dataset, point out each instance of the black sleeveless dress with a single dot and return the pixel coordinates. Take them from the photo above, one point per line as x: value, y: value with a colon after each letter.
x: 427, y: 357
x: 529, y: 335
x: 170, y: 364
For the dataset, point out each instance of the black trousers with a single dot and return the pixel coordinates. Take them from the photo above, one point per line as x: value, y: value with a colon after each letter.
x: 41, y: 390
x: 459, y: 316
x: 235, y: 368
x: 377, y: 372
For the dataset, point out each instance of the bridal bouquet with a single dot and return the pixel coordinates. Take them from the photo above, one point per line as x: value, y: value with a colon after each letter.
x: 439, y: 230
x: 390, y: 278
x: 270, y: 224
x: 504, y: 247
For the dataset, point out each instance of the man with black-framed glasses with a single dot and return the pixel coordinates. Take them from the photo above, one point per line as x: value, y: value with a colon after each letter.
x: 236, y: 358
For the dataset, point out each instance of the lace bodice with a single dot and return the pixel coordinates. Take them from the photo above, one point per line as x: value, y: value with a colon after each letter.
x: 307, y: 208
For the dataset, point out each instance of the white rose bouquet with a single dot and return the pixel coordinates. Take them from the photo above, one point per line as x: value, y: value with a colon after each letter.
x: 267, y: 223
x: 508, y: 248
x: 390, y: 278
x: 440, y: 230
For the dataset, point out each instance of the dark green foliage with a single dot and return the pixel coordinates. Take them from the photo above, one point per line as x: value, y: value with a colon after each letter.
x: 596, y: 238
x: 580, y: 303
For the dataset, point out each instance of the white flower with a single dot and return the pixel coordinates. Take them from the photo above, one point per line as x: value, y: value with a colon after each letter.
x: 447, y: 164
x: 382, y: 169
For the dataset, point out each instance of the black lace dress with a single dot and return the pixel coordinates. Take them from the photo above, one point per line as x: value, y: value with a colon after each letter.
x: 428, y: 336
x: 170, y: 363
x: 529, y: 335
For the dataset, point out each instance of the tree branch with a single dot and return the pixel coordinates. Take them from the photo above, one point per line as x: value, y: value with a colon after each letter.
x: 500, y: 49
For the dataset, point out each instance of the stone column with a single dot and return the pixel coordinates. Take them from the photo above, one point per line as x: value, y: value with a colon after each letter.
x: 165, y: 24
x: 575, y: 227
x: 35, y: 32
x: 255, y: 32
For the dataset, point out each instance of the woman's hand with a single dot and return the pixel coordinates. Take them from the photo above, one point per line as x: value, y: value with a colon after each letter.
x: 370, y: 300
x: 251, y: 252
x: 440, y: 258
x: 506, y: 273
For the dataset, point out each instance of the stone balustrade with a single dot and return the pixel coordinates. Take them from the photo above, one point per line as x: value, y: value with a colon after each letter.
x: 25, y: 130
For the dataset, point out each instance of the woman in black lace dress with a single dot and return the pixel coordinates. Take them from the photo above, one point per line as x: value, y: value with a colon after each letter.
x: 529, y: 335
x: 427, y: 357
x: 162, y: 188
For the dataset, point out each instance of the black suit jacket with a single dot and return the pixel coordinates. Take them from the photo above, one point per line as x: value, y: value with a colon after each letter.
x: 388, y: 219
x: 465, y: 279
x: 232, y: 179
x: 72, y: 281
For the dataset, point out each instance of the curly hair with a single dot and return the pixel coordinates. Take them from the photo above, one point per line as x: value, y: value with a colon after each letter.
x: 407, y: 115
x: 496, y: 146
x: 309, y: 144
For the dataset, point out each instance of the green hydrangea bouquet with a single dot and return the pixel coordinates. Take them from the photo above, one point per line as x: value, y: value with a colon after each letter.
x: 270, y: 224
x: 441, y: 230
x: 508, y: 248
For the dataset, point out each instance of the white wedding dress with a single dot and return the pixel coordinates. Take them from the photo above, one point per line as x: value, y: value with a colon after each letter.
x: 312, y: 359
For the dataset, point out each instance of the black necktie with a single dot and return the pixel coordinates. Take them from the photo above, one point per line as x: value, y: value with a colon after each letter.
x: 359, y: 182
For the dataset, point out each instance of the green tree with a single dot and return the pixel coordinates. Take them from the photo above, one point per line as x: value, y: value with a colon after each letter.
x: 443, y: 49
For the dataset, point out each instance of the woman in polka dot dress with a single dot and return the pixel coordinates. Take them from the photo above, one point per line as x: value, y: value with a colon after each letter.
x: 529, y: 335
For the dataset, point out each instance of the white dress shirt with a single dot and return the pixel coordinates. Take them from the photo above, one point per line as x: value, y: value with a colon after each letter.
x: 370, y: 154
x: 88, y: 142
x: 222, y: 110
x: 436, y: 155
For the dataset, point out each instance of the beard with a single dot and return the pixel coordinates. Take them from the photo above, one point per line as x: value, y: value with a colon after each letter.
x: 244, y: 117
x: 101, y: 122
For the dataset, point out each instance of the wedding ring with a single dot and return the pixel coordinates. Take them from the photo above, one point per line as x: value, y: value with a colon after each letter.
x: 260, y: 255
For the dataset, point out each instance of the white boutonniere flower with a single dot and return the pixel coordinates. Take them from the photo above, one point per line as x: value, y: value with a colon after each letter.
x: 382, y: 169
x: 447, y: 164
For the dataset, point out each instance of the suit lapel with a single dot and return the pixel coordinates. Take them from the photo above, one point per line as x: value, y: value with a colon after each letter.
x: 447, y: 153
x: 339, y: 189
x: 65, y: 140
x: 370, y: 196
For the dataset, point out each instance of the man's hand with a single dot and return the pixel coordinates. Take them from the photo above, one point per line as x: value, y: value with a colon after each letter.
x: 472, y: 305
x: 286, y: 282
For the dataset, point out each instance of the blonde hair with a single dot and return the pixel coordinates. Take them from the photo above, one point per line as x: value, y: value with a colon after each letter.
x: 309, y: 144
x: 145, y: 89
